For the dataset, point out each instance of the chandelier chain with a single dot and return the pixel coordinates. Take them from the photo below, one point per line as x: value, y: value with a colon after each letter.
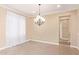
x: 39, y: 8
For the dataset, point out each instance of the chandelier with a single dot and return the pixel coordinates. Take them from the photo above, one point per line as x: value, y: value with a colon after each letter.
x: 39, y: 20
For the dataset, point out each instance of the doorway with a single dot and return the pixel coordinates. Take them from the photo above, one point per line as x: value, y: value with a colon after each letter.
x: 64, y: 30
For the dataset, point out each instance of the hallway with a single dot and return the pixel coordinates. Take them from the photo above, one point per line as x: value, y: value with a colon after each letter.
x: 37, y: 48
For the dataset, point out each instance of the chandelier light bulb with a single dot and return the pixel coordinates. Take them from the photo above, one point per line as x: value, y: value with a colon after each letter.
x: 39, y: 20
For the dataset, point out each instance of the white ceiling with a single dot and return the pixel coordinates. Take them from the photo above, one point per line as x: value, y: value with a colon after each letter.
x: 32, y: 9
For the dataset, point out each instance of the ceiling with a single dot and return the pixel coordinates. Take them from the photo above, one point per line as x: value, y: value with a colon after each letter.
x: 32, y: 9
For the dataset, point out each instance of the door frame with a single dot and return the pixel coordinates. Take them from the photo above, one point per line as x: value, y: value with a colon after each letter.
x: 62, y: 18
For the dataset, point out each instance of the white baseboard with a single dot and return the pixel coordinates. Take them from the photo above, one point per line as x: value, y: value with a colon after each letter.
x: 74, y: 47
x: 13, y: 46
x: 2, y: 48
x: 46, y: 42
x: 53, y: 43
x: 41, y: 42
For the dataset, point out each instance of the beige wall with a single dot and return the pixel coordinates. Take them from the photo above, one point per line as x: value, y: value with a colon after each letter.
x: 46, y: 32
x: 29, y: 29
x: 2, y: 27
x: 73, y: 28
x: 77, y: 28
x: 49, y: 31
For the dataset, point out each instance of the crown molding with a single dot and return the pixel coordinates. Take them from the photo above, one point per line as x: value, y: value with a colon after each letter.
x: 14, y: 10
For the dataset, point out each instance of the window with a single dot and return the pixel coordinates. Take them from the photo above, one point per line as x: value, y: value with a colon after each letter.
x: 15, y: 29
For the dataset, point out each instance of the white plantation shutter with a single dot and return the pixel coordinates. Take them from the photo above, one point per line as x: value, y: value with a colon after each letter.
x: 22, y: 29
x: 15, y: 29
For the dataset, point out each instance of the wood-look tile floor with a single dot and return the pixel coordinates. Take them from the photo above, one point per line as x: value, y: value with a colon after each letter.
x: 37, y: 48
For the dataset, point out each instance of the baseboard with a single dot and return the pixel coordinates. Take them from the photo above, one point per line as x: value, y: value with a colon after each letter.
x: 41, y: 42
x: 74, y: 47
x: 2, y: 48
x: 13, y: 46
x: 46, y: 42
x: 53, y: 43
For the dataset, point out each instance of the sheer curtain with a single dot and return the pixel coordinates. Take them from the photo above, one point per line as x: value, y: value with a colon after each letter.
x: 15, y: 29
